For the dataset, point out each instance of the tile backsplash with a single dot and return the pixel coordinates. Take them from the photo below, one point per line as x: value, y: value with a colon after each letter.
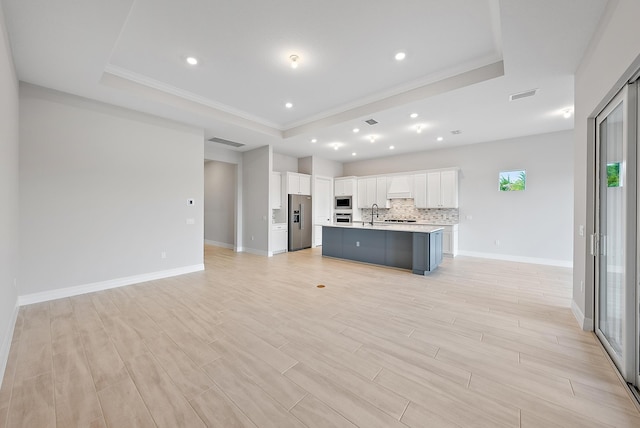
x: 404, y: 209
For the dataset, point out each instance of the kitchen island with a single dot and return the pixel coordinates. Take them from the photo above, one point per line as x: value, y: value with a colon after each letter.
x: 414, y: 247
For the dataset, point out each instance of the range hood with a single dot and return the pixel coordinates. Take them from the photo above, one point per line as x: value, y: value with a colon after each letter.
x: 401, y: 187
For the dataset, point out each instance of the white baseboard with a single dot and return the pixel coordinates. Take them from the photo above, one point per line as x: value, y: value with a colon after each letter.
x: 219, y: 244
x: 585, y: 323
x: 60, y: 293
x: 520, y: 259
x: 5, y: 347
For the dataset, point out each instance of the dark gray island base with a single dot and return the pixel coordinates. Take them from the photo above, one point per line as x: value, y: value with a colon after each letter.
x: 416, y: 248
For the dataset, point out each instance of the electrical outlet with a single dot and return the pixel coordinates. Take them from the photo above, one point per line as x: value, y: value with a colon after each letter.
x: 357, y: 243
x: 582, y: 286
x: 497, y: 242
x: 252, y: 237
x: 163, y: 255
x: 581, y: 230
x: 191, y: 221
x: 469, y: 217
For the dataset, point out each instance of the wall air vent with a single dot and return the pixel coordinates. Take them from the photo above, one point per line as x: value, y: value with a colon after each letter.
x: 371, y: 121
x: 225, y: 142
x: 525, y: 94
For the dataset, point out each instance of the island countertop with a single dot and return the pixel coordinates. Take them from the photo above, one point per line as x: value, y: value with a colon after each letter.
x: 397, y: 227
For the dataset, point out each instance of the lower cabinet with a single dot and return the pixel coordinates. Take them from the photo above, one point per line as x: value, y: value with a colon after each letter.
x: 450, y: 240
x: 417, y: 251
x: 279, y: 238
x: 427, y: 252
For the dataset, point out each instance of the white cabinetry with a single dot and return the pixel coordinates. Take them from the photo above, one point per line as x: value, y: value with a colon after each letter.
x: 442, y: 189
x: 372, y: 190
x: 366, y: 192
x: 449, y: 239
x: 298, y: 184
x: 381, y: 192
x: 275, y: 191
x: 279, y: 238
x: 344, y: 186
x: 420, y: 190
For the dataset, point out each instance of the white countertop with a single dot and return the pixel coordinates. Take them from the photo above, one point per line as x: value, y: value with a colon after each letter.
x: 399, y: 227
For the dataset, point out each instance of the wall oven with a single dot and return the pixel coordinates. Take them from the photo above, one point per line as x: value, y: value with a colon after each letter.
x: 342, y: 218
x: 343, y: 203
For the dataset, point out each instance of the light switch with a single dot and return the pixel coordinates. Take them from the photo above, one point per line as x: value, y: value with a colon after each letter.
x: 191, y: 202
x: 581, y: 230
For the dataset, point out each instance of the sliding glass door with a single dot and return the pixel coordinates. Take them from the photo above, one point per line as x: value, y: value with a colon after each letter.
x: 615, y: 242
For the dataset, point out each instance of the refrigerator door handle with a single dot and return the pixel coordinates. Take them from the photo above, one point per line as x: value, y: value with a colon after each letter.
x: 301, y: 217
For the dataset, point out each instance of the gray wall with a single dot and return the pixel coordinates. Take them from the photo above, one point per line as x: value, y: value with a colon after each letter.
x: 534, y: 225
x: 103, y: 192
x: 284, y: 163
x: 327, y: 168
x: 219, y: 203
x: 257, y: 164
x: 610, y: 54
x: 8, y: 195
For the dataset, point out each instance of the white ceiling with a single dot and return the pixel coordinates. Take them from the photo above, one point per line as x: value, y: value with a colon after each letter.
x: 464, y: 59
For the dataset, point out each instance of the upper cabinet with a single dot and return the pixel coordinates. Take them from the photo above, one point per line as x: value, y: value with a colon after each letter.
x: 275, y: 191
x: 298, y: 184
x: 442, y: 189
x: 344, y: 186
x: 372, y: 190
x: 420, y: 190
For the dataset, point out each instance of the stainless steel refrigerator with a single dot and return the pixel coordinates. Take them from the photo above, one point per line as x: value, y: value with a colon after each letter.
x: 299, y: 222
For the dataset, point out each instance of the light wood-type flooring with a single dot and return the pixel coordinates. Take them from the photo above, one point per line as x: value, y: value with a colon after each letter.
x: 252, y: 342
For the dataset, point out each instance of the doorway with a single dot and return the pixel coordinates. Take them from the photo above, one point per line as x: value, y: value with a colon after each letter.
x: 615, y: 241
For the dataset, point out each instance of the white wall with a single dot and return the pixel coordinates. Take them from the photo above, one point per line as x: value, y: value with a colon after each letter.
x: 103, y: 192
x: 609, y: 60
x: 220, y: 203
x: 534, y: 225
x: 9, y: 223
x: 257, y: 167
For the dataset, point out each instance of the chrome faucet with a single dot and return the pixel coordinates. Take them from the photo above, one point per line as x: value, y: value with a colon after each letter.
x: 377, y: 212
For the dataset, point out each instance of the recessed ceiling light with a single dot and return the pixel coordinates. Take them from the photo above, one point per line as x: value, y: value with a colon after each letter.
x: 414, y: 115
x: 192, y: 60
x: 314, y: 140
x: 372, y: 138
x: 288, y: 105
x: 419, y: 129
x: 353, y: 154
x: 439, y: 138
x: 294, y: 61
x: 356, y: 130
x: 567, y: 113
x: 335, y: 147
x: 400, y: 56
x: 391, y: 147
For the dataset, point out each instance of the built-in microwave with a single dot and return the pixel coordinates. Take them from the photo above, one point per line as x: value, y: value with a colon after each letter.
x: 343, y: 218
x: 343, y: 203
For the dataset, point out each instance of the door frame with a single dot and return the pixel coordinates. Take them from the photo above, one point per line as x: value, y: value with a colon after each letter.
x: 628, y: 363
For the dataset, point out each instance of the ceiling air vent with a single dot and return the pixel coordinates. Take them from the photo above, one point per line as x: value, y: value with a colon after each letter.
x: 225, y: 142
x: 371, y: 121
x: 525, y: 94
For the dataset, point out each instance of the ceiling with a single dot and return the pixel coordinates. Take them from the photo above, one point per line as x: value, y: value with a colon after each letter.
x: 463, y: 60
